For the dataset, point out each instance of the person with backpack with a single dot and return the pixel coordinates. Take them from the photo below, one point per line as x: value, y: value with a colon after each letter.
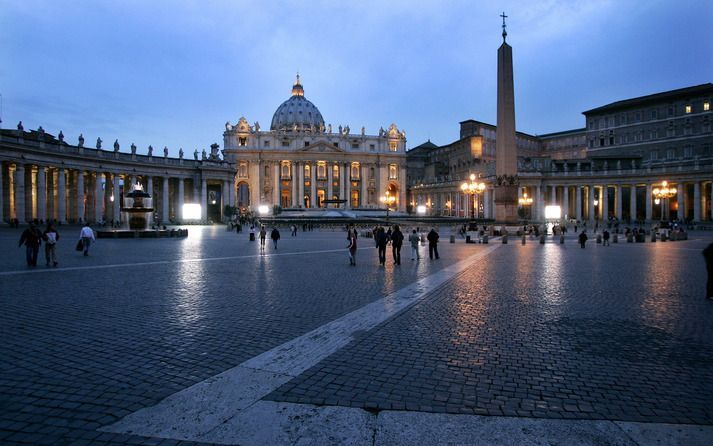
x: 51, y: 237
x: 32, y: 239
x: 397, y: 239
x: 275, y: 236
x: 86, y: 237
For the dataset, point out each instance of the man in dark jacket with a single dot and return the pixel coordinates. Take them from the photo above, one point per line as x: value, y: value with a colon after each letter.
x: 275, y: 236
x: 397, y: 240
x: 31, y: 238
x: 381, y: 242
x: 582, y: 238
x: 432, y: 244
x: 708, y: 255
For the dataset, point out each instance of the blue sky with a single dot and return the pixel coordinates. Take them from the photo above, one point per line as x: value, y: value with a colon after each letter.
x: 172, y: 73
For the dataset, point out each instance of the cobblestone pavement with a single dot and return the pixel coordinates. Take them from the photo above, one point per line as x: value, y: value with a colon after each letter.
x: 102, y: 336
x: 553, y: 331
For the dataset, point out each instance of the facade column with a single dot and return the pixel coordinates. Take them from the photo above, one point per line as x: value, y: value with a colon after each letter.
x: 578, y: 203
x: 313, y: 186
x: 116, y: 193
x: 62, y: 195
x: 647, y: 200
x: 98, y: 198
x: 330, y: 181
x: 488, y: 203
x: 42, y: 193
x: 604, y: 203
x: 204, y: 200
x: 617, y: 205
x: 565, y: 202
x: 164, y: 201
x: 364, y: 182
x: 680, y: 200
x: 697, y: 201
x: 20, y: 193
x: 343, y: 189
x: 632, y: 202
x: 538, y: 203
x: 181, y: 199
x: 592, y: 216
x: 2, y: 195
x: 80, y: 196
x: 301, y: 186
x: 553, y: 195
x: 276, y: 194
x: 294, y: 174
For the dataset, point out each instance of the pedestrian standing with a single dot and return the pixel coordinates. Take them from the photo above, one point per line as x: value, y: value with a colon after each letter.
x: 86, y: 235
x: 32, y: 239
x: 263, y: 234
x: 275, y: 236
x: 397, y: 240
x: 51, y: 237
x: 605, y: 238
x: 352, y: 247
x: 432, y: 244
x: 708, y: 255
x: 414, y: 239
x: 381, y: 242
x: 582, y: 238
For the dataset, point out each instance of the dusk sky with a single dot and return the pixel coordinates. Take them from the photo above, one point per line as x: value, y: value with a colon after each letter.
x: 172, y: 73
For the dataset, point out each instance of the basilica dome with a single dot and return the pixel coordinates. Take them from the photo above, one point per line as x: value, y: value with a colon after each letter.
x: 297, y: 111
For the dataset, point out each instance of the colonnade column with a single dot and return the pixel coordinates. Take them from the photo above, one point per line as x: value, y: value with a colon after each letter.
x: 20, y: 193
x: 681, y: 202
x: 632, y: 202
x: 61, y: 195
x: 80, y: 196
x: 301, y: 185
x: 697, y: 201
x: 204, y: 200
x: 553, y: 195
x: 98, y: 198
x: 578, y: 202
x: 330, y: 181
x: 295, y: 175
x: 164, y: 201
x: 565, y: 201
x: 149, y: 187
x: 538, y: 202
x: 181, y: 200
x: 647, y: 200
x: 592, y: 217
x: 276, y: 194
x: 343, y: 182
x: 618, y: 206
x: 363, y: 174
x: 604, y: 203
x: 42, y: 193
x: 116, y: 193
x: 313, y: 186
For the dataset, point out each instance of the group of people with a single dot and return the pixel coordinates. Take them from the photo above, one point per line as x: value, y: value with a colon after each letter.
x: 393, y: 236
x: 32, y: 239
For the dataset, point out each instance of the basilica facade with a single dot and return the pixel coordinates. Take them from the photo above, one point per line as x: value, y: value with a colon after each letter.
x: 300, y: 163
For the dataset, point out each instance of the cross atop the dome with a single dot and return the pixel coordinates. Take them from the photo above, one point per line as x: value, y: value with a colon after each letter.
x: 298, y: 78
x: 505, y: 33
x: 297, y: 89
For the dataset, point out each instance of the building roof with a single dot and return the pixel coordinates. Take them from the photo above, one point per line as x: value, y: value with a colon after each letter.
x: 563, y: 133
x: 425, y: 146
x: 680, y: 93
x: 296, y: 111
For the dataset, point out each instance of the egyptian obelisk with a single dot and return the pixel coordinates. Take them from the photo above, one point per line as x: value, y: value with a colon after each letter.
x: 505, y: 148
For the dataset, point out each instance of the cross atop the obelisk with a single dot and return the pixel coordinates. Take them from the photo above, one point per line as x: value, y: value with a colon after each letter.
x: 505, y: 33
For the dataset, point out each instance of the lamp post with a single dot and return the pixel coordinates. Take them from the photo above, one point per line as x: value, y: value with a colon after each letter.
x: 661, y: 194
x: 388, y: 200
x: 472, y: 188
x: 525, y: 202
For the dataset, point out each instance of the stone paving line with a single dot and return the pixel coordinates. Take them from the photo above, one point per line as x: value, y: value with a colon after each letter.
x: 228, y: 408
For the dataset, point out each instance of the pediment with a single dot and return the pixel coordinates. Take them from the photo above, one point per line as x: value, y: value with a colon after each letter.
x: 321, y: 147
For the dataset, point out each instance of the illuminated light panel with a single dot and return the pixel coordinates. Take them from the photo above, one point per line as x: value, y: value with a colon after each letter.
x: 191, y: 211
x: 553, y: 212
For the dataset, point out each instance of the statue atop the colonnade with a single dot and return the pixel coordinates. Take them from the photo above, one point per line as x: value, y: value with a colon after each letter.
x: 180, y: 153
x: 116, y: 145
x: 99, y: 143
x: 257, y: 126
x: 214, y: 150
x: 20, y: 127
x: 204, y: 155
x: 133, y: 148
x: 41, y: 131
x: 165, y: 151
x: 81, y: 140
x: 150, y: 150
x: 60, y: 136
x: 195, y: 155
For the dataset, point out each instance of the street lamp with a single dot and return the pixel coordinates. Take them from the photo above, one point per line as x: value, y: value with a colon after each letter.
x: 525, y: 202
x: 472, y: 188
x: 663, y: 193
x: 388, y: 200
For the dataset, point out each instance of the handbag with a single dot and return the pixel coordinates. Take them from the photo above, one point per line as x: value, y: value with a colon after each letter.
x: 80, y: 245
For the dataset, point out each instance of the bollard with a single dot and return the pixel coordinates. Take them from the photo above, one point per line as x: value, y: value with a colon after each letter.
x: 453, y: 238
x: 505, y: 239
x: 599, y: 238
x: 542, y: 239
x: 485, y: 239
x: 674, y: 236
x: 630, y: 238
x: 663, y: 237
x: 653, y: 236
x: 616, y: 237
x: 524, y: 239
x: 561, y: 239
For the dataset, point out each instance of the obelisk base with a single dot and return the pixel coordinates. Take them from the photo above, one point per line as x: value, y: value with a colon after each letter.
x: 506, y: 205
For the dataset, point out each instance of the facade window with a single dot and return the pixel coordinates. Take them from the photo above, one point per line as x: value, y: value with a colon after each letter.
x: 392, y: 146
x: 689, y: 109
x: 321, y: 170
x: 355, y: 171
x: 242, y: 141
x: 611, y: 140
x: 601, y: 142
x: 653, y: 114
x: 336, y: 144
x: 670, y: 154
x: 670, y: 110
x: 306, y: 143
x: 243, y: 169
x: 308, y: 171
x: 706, y: 106
x: 285, y: 144
x: 355, y: 145
x: 372, y: 147
x: 393, y: 172
x: 371, y: 173
x: 285, y: 169
x: 638, y: 116
x: 688, y: 152
x: 335, y: 172
x: 266, y: 143
x: 654, y: 155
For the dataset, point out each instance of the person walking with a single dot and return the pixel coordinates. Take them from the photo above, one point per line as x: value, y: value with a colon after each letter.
x: 32, y: 239
x: 352, y: 247
x: 708, y: 256
x: 432, y: 244
x: 397, y: 240
x: 582, y: 238
x: 51, y: 237
x: 263, y: 234
x: 381, y: 242
x: 414, y: 239
x: 86, y: 235
x: 275, y: 236
x: 605, y: 238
